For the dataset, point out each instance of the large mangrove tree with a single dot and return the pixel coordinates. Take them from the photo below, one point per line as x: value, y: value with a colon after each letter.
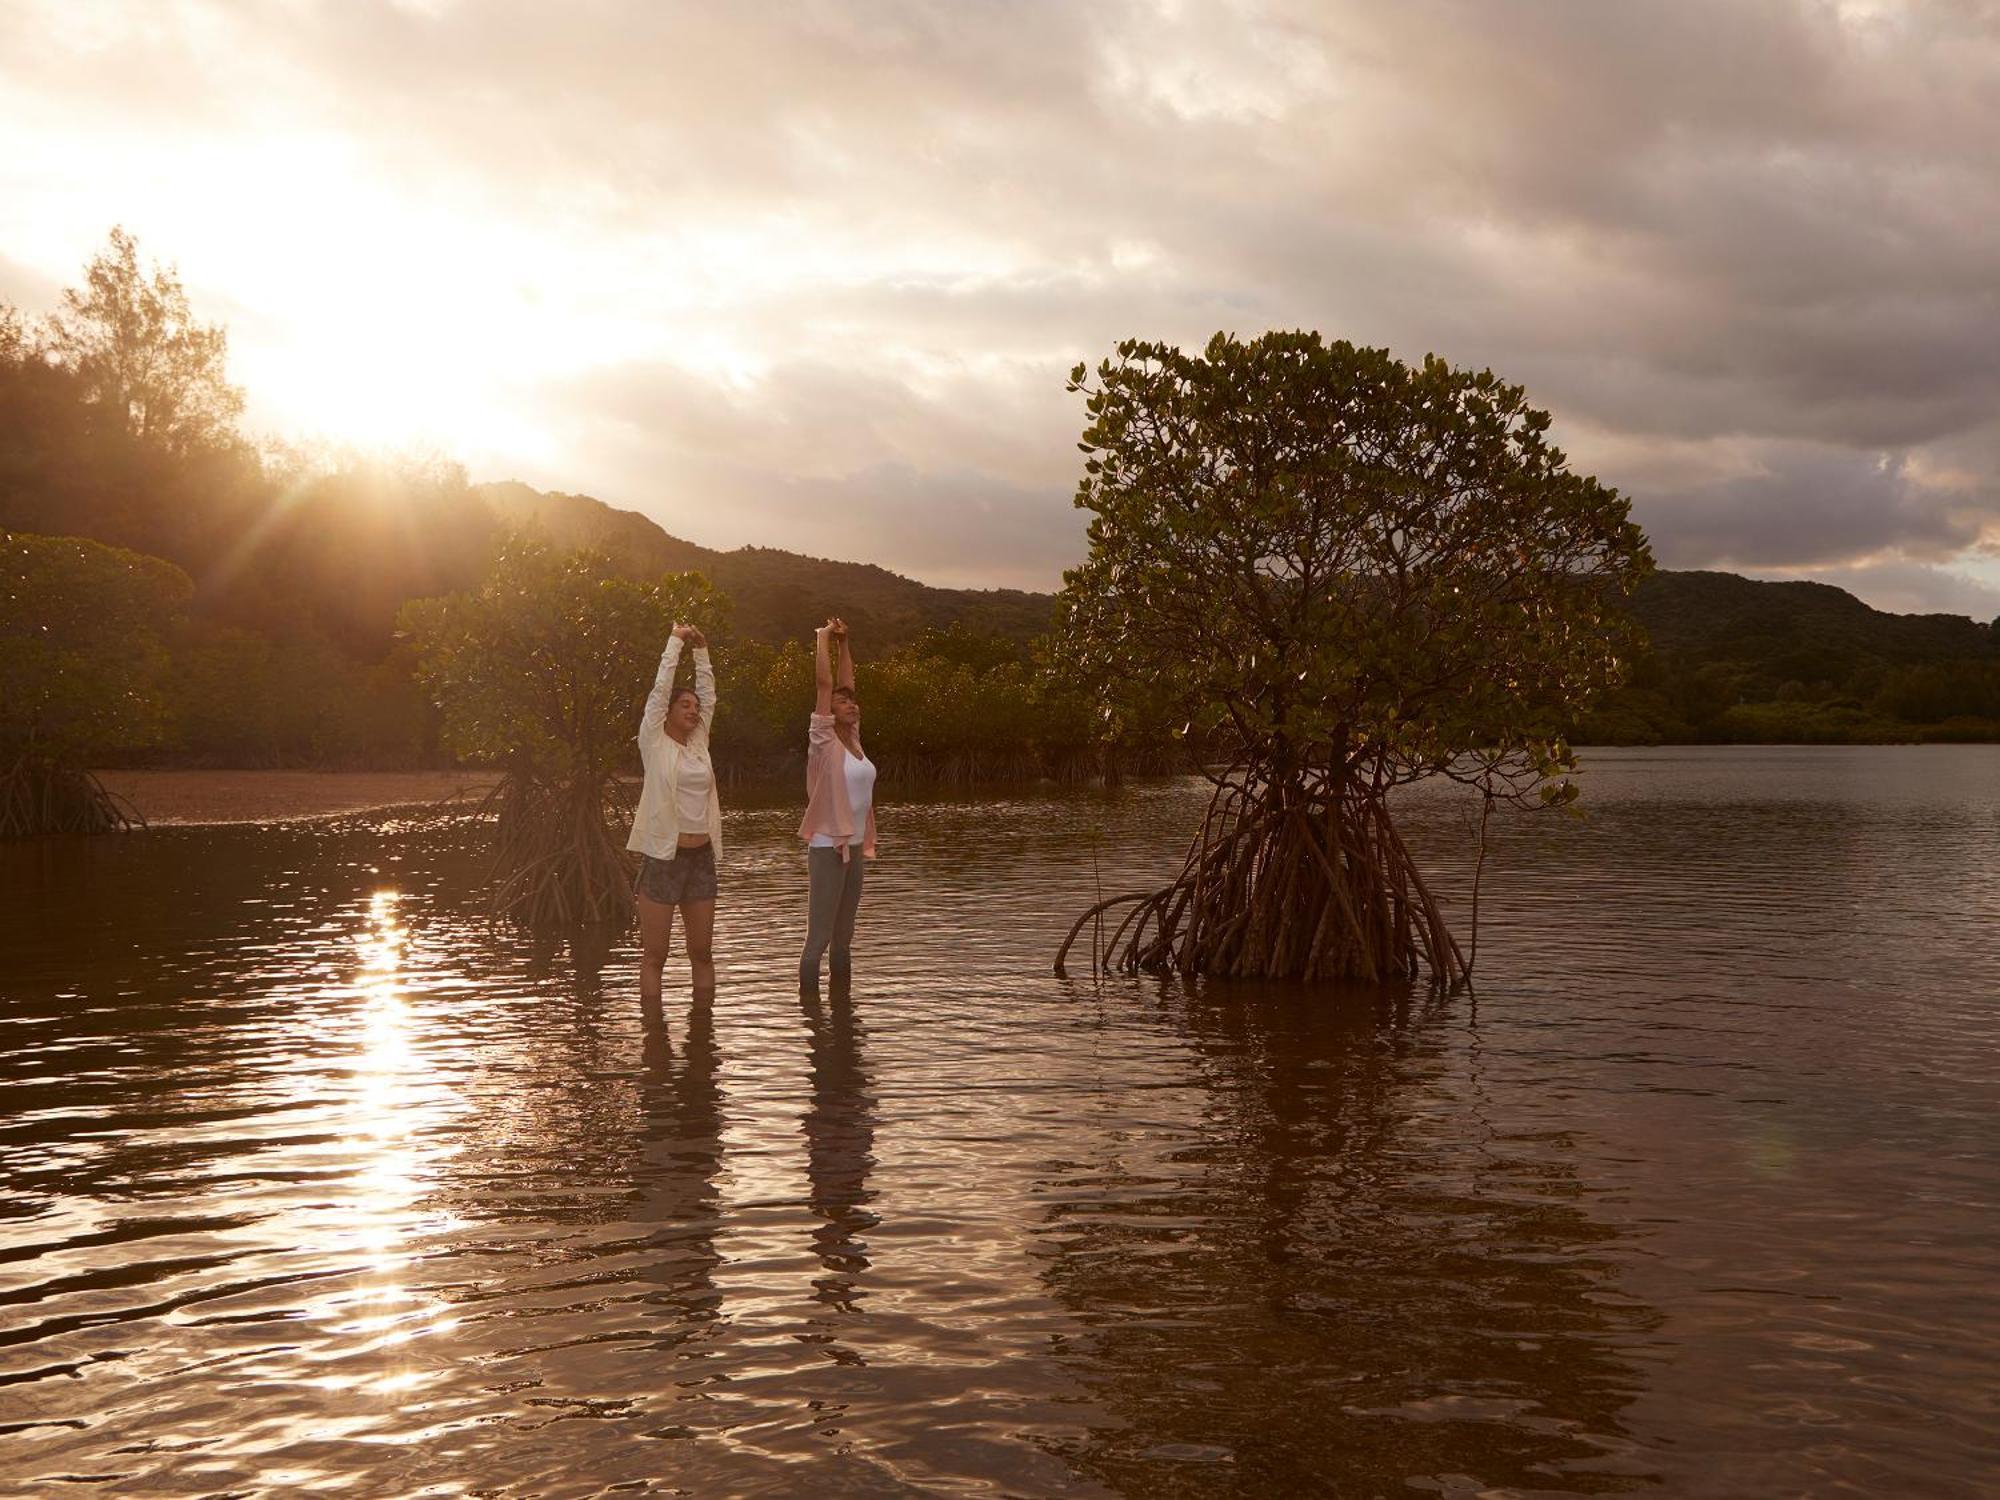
x: 1339, y: 574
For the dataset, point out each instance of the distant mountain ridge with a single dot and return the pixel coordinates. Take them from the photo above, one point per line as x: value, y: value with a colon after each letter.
x: 776, y: 594
x: 1704, y: 610
x: 1683, y: 610
x: 332, y: 558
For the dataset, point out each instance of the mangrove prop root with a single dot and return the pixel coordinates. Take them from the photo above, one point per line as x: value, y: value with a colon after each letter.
x: 37, y: 799
x: 1289, y: 878
x: 1086, y: 919
x: 558, y: 860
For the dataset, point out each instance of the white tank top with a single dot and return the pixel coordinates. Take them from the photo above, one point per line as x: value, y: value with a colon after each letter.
x: 691, y: 786
x: 860, y: 796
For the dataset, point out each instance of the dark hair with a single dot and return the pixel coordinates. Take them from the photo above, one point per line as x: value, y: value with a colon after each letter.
x: 675, y: 696
x: 844, y: 691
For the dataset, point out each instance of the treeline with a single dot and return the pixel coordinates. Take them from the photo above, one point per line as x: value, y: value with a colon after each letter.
x: 951, y: 707
x: 1736, y: 661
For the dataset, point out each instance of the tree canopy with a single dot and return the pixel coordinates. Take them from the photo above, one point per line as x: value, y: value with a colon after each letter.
x: 82, y: 663
x: 144, y: 361
x: 1324, y: 554
x: 548, y: 660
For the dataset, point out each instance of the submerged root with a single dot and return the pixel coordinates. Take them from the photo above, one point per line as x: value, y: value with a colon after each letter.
x: 38, y: 799
x: 557, y: 858
x: 1286, y: 880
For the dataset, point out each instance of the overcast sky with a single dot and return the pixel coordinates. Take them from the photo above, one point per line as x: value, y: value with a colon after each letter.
x: 810, y: 275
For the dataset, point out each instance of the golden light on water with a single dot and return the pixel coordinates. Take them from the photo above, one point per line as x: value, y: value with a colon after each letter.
x: 382, y: 1102
x: 387, y: 1107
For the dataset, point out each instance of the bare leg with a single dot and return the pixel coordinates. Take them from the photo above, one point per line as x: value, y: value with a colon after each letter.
x: 656, y: 936
x: 698, y: 922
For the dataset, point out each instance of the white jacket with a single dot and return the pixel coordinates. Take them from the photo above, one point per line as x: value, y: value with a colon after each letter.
x: 656, y: 826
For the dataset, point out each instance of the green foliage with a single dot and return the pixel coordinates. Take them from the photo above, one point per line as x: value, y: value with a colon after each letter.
x: 1321, y: 554
x: 1932, y: 693
x: 242, y: 699
x: 765, y: 692
x: 544, y: 670
x: 1793, y: 722
x: 953, y: 706
x: 81, y: 655
x: 547, y: 663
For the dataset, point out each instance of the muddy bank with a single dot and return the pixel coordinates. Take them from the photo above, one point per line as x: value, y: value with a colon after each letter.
x: 181, y: 797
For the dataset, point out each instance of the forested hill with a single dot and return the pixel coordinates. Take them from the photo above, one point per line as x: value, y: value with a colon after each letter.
x: 1736, y: 659
x: 776, y: 595
x: 333, y: 553
x: 1798, y: 630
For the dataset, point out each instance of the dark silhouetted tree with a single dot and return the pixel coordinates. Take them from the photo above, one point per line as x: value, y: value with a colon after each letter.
x: 81, y: 666
x: 144, y: 362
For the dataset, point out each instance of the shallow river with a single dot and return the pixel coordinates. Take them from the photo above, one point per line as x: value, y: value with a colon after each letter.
x: 316, y: 1182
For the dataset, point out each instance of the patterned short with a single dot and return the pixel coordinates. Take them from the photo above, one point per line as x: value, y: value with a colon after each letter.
x: 686, y: 878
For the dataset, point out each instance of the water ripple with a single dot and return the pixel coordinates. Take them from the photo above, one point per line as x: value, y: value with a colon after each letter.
x: 316, y: 1180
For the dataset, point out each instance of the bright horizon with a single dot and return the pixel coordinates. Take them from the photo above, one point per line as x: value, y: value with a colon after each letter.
x: 814, y: 282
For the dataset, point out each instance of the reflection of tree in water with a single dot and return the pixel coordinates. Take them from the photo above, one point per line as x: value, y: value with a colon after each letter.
x: 1348, y: 1285
x: 839, y: 1127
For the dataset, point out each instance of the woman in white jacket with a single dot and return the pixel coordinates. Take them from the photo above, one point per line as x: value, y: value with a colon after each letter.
x: 677, y: 831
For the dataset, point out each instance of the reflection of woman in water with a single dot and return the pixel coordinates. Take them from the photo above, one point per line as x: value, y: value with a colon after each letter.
x: 677, y: 831
x: 839, y: 825
x: 839, y: 1128
x: 679, y: 1164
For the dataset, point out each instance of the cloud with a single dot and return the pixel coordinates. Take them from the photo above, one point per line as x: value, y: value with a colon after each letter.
x: 810, y: 274
x: 1812, y: 505
x: 835, y: 463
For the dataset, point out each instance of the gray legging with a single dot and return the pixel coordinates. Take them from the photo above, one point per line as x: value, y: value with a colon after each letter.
x: 833, y: 895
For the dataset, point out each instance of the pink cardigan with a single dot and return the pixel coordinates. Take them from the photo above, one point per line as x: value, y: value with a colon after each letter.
x: 827, y: 809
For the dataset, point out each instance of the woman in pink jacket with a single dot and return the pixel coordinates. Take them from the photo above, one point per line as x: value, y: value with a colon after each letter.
x: 839, y: 825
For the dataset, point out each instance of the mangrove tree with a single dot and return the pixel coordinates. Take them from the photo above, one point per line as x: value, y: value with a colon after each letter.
x: 1340, y: 574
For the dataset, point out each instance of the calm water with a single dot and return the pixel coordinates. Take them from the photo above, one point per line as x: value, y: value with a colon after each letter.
x: 315, y: 1181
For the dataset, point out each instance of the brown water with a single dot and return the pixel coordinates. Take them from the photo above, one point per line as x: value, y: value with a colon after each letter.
x: 316, y: 1182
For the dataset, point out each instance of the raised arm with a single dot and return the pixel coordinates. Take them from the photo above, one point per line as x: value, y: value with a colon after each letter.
x: 704, y: 678
x: 652, y: 723
x: 822, y: 670
x: 845, y: 671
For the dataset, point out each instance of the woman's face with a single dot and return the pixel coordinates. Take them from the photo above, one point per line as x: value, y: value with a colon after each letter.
x: 846, y: 710
x: 683, y: 714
